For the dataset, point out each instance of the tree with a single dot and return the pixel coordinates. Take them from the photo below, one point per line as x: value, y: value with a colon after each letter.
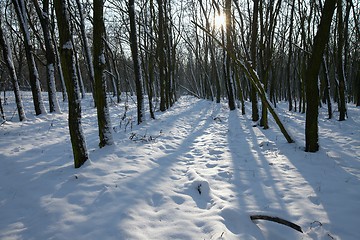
x: 103, y: 114
x: 10, y: 65
x: 254, y: 33
x: 340, y: 61
x: 161, y: 55
x: 136, y: 62
x: 85, y: 43
x: 288, y: 65
x: 29, y: 51
x: 229, y: 47
x: 69, y: 70
x: 44, y: 15
x: 312, y: 72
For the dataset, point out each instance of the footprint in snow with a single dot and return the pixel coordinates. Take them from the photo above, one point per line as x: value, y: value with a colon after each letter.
x: 211, y: 165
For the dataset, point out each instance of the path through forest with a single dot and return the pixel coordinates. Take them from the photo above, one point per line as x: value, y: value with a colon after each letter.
x: 196, y: 172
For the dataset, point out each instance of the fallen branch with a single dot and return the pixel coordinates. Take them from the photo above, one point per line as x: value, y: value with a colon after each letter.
x: 277, y: 220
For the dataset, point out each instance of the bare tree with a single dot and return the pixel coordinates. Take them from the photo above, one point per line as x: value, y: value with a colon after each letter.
x: 10, y: 65
x: 69, y: 69
x: 340, y: 61
x: 21, y: 13
x: 136, y: 62
x: 230, y: 47
x: 103, y: 114
x: 312, y: 72
x: 44, y: 15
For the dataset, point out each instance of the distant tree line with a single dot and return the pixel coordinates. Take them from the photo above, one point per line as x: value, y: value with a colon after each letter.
x: 303, y: 52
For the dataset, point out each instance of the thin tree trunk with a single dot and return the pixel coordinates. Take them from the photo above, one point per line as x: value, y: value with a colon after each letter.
x: 254, y: 33
x: 327, y: 88
x: 340, y: 62
x: 49, y: 53
x: 33, y: 72
x: 288, y: 67
x: 103, y: 115
x: 86, y: 46
x: 229, y: 46
x: 137, y: 67
x: 10, y: 65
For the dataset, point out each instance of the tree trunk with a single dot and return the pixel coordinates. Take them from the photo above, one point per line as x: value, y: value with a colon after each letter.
x: 69, y: 69
x: 312, y: 72
x: 229, y: 46
x: 161, y: 55
x: 49, y: 53
x: 254, y: 32
x: 288, y: 66
x: 340, y: 62
x: 87, y: 51
x: 136, y: 62
x: 103, y: 115
x: 33, y: 72
x: 10, y: 65
x: 327, y: 88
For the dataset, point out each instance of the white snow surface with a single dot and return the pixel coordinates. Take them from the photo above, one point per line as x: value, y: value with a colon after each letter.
x: 196, y: 172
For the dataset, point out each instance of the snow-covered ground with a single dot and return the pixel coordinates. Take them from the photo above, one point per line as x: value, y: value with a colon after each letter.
x: 196, y: 172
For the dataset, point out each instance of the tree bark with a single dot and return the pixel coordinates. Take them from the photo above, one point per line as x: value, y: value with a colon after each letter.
x: 87, y: 51
x: 136, y: 62
x: 340, y: 62
x: 10, y: 65
x: 33, y: 72
x: 229, y: 46
x: 69, y: 69
x: 161, y: 55
x: 288, y: 66
x: 254, y: 33
x: 312, y: 72
x: 103, y: 115
x: 49, y: 53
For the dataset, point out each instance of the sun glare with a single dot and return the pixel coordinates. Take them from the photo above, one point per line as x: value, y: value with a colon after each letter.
x: 220, y: 21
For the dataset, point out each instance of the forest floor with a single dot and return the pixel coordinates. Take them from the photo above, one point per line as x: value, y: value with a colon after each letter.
x: 199, y: 171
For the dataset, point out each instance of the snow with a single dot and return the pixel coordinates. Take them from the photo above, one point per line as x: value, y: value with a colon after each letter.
x: 67, y: 45
x: 199, y: 172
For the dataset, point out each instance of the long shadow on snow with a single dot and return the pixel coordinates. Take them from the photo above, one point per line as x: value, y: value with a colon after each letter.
x: 113, y: 209
x: 150, y: 181
x: 27, y: 173
x: 323, y: 177
x: 254, y: 182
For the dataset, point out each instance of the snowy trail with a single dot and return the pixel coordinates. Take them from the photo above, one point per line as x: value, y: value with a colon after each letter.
x: 200, y: 173
x: 211, y: 169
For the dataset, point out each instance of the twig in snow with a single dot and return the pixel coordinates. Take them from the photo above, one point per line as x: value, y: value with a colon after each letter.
x: 277, y: 220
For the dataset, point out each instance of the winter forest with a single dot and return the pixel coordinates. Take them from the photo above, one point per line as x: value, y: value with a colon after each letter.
x: 179, y: 119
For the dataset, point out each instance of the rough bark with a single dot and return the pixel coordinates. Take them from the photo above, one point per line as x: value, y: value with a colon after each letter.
x: 33, y: 72
x: 161, y: 55
x: 43, y: 15
x: 229, y: 46
x: 103, y: 115
x: 312, y: 91
x: 136, y: 63
x: 340, y: 62
x: 69, y: 70
x: 254, y: 33
x: 86, y: 46
x: 10, y: 65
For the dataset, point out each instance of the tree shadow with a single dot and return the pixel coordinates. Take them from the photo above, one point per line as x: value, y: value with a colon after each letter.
x: 256, y: 184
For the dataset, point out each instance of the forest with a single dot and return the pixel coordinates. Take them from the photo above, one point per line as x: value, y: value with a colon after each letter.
x: 120, y: 73
x: 305, y: 53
